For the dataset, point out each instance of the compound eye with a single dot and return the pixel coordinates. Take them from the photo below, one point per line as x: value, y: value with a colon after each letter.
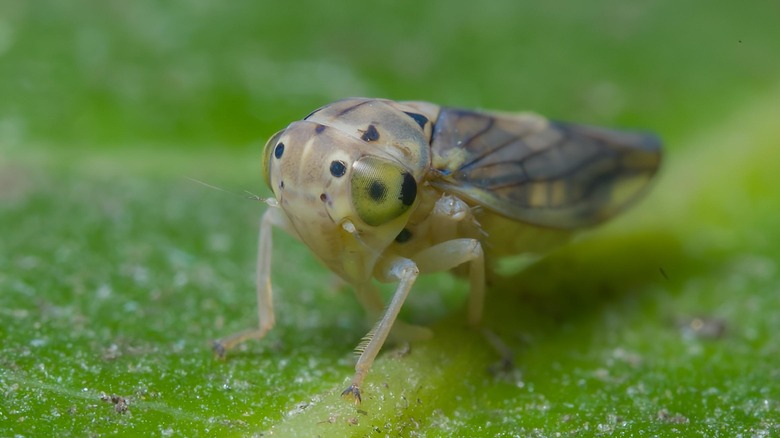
x: 381, y: 190
x: 273, y: 148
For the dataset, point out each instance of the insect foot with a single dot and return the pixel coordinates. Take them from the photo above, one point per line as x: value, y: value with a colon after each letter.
x: 353, y: 392
x: 219, y: 349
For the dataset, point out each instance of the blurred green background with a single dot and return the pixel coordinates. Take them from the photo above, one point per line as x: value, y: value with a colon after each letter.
x: 116, y: 268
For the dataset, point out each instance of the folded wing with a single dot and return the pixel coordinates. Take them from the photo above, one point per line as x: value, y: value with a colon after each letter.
x: 542, y: 172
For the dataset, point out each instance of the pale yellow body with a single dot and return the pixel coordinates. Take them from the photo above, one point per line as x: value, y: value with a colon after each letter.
x: 388, y: 190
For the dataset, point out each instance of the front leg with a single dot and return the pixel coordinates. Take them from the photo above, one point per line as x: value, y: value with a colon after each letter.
x: 369, y: 297
x: 265, y: 308
x: 405, y: 272
x: 441, y: 257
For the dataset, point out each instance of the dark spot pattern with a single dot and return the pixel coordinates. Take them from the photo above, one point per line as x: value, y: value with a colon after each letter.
x: 377, y: 190
x: 371, y: 134
x: 324, y: 197
x: 338, y: 168
x: 419, y: 118
x: 279, y: 150
x: 403, y: 236
x: 281, y: 184
x: 319, y: 129
x: 408, y: 189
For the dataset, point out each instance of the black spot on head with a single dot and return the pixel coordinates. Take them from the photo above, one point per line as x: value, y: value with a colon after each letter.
x: 419, y: 118
x: 377, y: 190
x: 319, y: 129
x: 324, y: 197
x: 281, y: 184
x: 403, y: 236
x: 279, y: 150
x: 371, y: 134
x: 338, y: 168
x: 408, y: 189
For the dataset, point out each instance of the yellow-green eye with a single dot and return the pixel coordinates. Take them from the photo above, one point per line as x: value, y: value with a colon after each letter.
x: 381, y: 190
x: 273, y: 148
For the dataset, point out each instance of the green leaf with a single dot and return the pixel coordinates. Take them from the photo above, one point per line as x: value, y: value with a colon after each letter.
x: 117, y: 268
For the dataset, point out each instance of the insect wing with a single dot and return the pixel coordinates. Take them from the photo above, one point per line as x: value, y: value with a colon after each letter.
x: 546, y: 173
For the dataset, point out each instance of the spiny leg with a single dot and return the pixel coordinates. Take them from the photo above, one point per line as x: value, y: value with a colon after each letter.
x: 441, y: 257
x: 406, y: 272
x: 265, y: 309
x: 369, y: 297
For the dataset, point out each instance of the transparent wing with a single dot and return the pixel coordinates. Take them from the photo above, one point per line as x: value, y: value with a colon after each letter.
x: 546, y: 173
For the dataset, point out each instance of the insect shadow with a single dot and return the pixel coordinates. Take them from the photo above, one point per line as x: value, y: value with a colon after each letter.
x: 582, y: 277
x: 576, y: 283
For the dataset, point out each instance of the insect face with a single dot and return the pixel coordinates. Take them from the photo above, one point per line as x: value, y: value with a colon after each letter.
x: 343, y: 188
